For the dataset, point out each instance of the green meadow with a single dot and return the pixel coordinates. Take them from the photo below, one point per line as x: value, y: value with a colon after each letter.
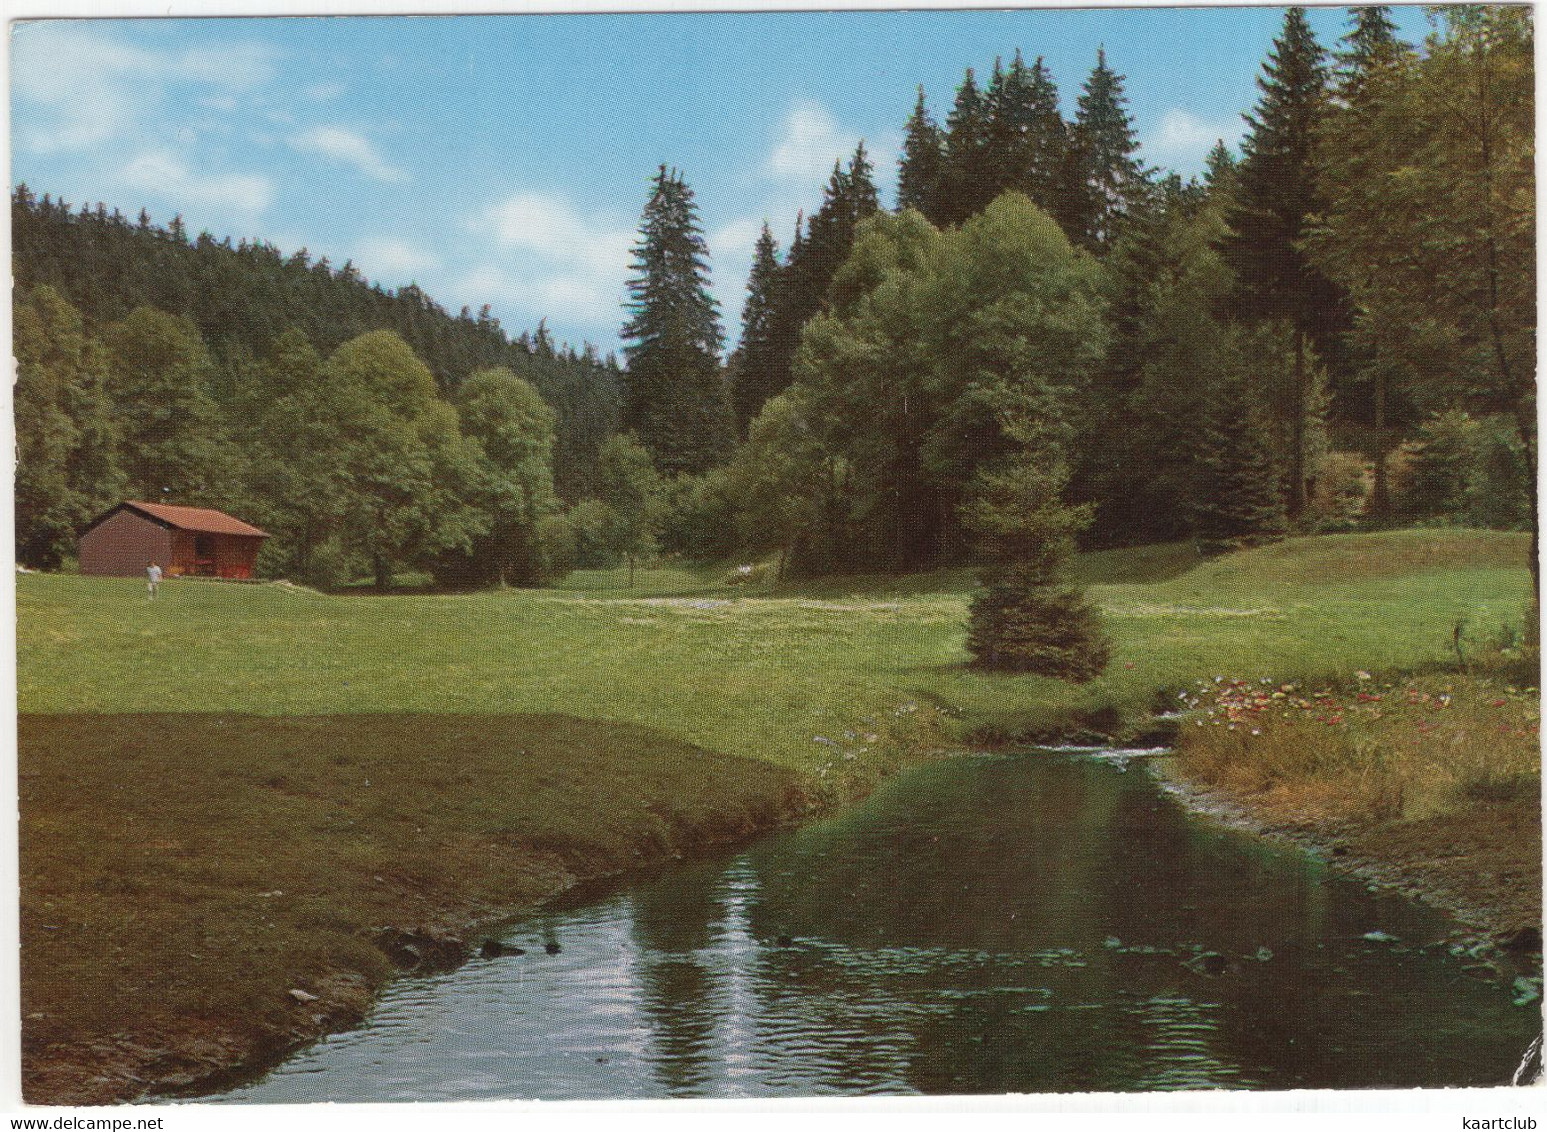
x: 234, y: 798
x: 764, y: 672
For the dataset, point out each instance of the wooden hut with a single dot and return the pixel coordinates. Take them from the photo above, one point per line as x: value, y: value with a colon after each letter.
x: 193, y: 541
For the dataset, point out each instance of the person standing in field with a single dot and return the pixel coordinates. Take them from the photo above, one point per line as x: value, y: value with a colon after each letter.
x: 152, y: 580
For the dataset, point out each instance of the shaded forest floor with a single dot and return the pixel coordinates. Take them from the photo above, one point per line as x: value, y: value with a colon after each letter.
x: 185, y: 760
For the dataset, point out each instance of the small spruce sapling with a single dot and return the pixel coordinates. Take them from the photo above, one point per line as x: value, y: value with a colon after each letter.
x: 1029, y: 617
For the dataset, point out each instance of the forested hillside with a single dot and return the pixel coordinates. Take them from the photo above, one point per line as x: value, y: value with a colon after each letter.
x: 241, y: 298
x: 1335, y: 328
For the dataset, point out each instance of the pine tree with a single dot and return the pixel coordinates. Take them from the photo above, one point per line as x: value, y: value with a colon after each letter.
x: 964, y: 188
x: 757, y: 378
x: 1219, y: 169
x: 817, y: 251
x: 1277, y: 193
x: 1107, y: 178
x: 863, y: 199
x: 1240, y: 502
x: 850, y: 197
x: 1370, y: 46
x: 677, y: 402
x: 1026, y: 134
x: 1355, y: 153
x: 1028, y: 617
x: 918, y: 170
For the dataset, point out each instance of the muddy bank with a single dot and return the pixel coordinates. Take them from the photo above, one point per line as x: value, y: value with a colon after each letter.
x: 1482, y: 866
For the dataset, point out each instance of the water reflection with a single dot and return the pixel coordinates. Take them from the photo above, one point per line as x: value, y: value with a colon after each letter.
x: 984, y: 925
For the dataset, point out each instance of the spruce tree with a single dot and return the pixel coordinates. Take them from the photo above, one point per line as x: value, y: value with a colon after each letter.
x: 677, y: 402
x: 1219, y: 170
x: 756, y: 377
x: 1240, y: 502
x: 1276, y: 194
x: 964, y: 188
x: 1370, y: 46
x: 1026, y: 134
x: 1107, y: 179
x: 815, y: 256
x: 918, y: 170
x: 1355, y: 154
x: 1029, y: 617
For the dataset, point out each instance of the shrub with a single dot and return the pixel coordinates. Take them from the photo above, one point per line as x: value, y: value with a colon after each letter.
x: 556, y: 547
x: 698, y: 518
x: 1466, y: 470
x: 594, y: 527
x: 1341, y: 491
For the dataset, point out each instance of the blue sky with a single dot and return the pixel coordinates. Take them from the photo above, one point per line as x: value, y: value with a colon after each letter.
x: 504, y: 159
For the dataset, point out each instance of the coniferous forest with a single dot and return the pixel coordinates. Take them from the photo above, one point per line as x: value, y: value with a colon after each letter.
x: 1047, y: 343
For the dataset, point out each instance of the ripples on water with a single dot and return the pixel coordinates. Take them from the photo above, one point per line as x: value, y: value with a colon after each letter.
x: 983, y: 925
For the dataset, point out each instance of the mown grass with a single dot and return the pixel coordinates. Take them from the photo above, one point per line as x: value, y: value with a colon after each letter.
x: 763, y: 675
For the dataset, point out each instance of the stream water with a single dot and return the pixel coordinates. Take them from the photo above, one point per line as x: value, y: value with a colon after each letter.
x: 990, y: 924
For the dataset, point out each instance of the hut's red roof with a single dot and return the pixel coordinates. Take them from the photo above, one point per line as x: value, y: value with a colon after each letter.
x: 197, y: 519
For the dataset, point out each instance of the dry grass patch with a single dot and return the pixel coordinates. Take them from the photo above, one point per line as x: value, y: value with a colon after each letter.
x: 1368, y: 750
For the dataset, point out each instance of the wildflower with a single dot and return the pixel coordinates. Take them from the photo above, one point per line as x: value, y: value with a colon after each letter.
x: 1363, y: 675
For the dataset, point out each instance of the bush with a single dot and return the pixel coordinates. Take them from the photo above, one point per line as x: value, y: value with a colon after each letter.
x: 698, y: 518
x: 594, y: 526
x: 1340, y: 493
x: 556, y: 547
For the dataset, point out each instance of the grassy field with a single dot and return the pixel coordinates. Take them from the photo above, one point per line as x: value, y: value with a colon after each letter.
x: 237, y: 792
x: 797, y: 676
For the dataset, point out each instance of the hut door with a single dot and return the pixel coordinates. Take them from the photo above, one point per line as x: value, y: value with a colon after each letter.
x: 204, y: 554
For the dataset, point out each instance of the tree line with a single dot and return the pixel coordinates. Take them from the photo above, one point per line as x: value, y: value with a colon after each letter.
x: 1334, y: 327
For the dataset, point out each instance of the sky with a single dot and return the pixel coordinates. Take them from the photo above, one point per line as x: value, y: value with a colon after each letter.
x: 505, y: 159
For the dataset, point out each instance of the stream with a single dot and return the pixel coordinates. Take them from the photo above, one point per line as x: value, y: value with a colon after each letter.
x: 1031, y: 923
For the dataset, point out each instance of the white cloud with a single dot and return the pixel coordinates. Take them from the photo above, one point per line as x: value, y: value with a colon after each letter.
x: 1181, y: 140
x: 560, y: 264
x: 811, y: 141
x: 348, y: 148
x: 167, y: 175
x: 324, y: 92
x: 393, y: 257
x: 82, y: 87
x: 735, y: 241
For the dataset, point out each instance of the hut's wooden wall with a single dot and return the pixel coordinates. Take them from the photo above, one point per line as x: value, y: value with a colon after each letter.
x: 123, y: 544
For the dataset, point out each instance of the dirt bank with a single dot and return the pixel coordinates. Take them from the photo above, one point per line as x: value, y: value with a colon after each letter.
x: 1482, y: 866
